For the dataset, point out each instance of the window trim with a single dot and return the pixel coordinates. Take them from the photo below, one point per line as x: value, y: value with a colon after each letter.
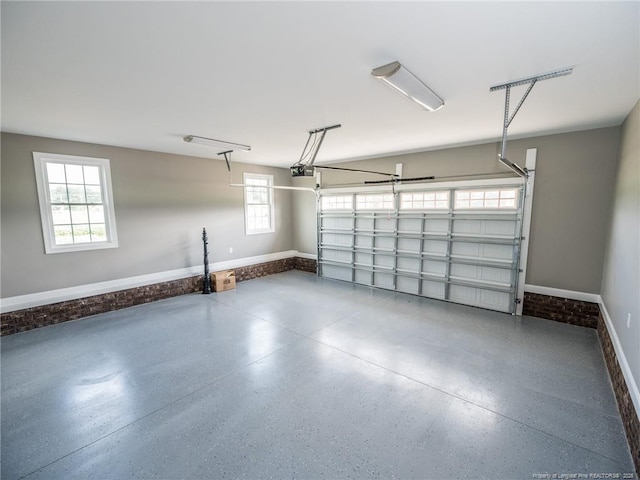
x: 40, y: 160
x: 272, y: 220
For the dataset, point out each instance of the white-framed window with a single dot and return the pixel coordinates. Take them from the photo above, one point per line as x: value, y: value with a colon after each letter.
x: 501, y: 198
x: 374, y: 201
x: 258, y: 203
x: 424, y: 200
x: 76, y: 202
x: 336, y: 202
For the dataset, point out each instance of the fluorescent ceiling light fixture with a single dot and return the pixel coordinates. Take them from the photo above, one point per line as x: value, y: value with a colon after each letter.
x: 216, y: 143
x: 408, y: 85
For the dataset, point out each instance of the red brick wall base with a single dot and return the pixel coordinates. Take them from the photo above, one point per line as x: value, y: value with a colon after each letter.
x: 628, y: 413
x: 45, y: 315
x: 575, y: 312
x: 588, y: 314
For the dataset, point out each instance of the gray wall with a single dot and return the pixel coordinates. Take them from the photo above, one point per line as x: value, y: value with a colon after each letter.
x: 621, y: 276
x: 575, y: 177
x: 162, y: 201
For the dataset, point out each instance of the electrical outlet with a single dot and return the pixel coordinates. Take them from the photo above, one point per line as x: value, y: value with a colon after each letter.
x: 230, y: 249
x: 628, y: 320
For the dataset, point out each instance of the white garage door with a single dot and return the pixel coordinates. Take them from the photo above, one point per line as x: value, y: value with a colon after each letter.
x: 456, y: 242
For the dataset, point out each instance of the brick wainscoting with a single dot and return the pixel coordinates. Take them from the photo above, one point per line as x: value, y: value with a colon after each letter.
x: 575, y: 312
x: 626, y: 408
x: 42, y: 316
x: 588, y: 314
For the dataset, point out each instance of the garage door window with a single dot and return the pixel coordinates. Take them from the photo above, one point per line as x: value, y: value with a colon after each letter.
x: 505, y: 198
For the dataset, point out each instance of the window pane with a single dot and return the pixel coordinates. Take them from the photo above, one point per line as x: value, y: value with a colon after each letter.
x: 98, y: 232
x: 55, y: 173
x: 91, y: 175
x: 58, y: 193
x: 492, y: 194
x: 63, y: 234
x: 508, y: 194
x: 96, y: 214
x: 74, y: 174
x: 81, y: 234
x: 76, y: 194
x: 491, y: 202
x: 94, y: 195
x: 79, y: 214
x: 60, y: 215
x: 476, y: 203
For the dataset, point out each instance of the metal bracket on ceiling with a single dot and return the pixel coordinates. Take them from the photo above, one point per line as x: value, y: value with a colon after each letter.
x: 226, y: 159
x: 302, y: 169
x: 508, y: 118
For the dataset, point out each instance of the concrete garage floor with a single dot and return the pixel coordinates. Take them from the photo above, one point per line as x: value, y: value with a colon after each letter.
x: 293, y: 376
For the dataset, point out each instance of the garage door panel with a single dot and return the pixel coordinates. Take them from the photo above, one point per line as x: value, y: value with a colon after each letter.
x: 460, y: 254
x: 364, y: 241
x: 409, y: 264
x: 474, y: 272
x: 364, y: 224
x: 337, y: 239
x: 433, y: 289
x: 410, y: 225
x: 385, y: 224
x: 336, y: 272
x: 363, y: 277
x: 383, y: 261
x: 336, y: 255
x: 337, y: 222
x: 434, y: 267
x: 408, y: 285
x: 385, y: 243
x: 364, y: 258
x: 439, y: 225
x: 436, y: 247
x: 411, y: 245
x: 383, y: 280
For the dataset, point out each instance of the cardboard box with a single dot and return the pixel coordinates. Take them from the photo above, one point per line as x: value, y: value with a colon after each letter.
x: 224, y: 280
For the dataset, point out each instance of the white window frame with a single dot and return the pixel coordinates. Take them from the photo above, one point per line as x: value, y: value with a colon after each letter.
x: 271, y: 209
x: 40, y: 161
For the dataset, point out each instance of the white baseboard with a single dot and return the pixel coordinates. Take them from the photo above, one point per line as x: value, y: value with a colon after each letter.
x: 558, y: 292
x: 310, y: 256
x: 20, y: 302
x: 622, y: 359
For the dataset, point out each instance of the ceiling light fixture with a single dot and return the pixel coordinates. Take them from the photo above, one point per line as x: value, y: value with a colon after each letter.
x: 221, y: 144
x: 408, y: 85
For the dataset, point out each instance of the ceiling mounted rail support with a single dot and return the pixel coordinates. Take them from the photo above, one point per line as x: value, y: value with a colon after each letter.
x: 302, y: 169
x: 508, y: 118
x: 226, y: 159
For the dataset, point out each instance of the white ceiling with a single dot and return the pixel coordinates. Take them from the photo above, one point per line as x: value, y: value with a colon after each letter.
x: 145, y: 74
